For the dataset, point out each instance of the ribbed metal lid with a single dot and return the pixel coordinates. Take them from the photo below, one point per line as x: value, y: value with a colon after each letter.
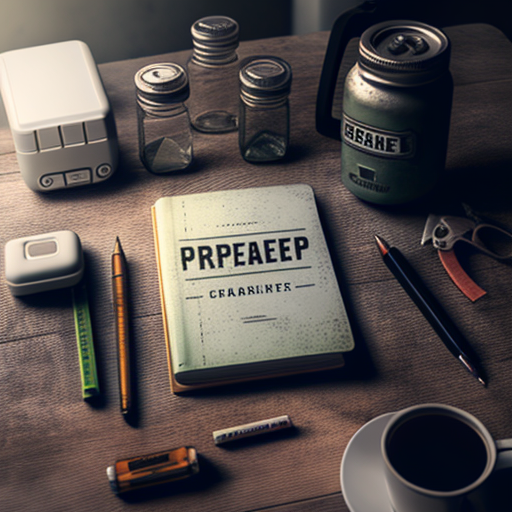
x: 163, y: 83
x: 265, y: 78
x: 215, y: 39
x: 405, y: 51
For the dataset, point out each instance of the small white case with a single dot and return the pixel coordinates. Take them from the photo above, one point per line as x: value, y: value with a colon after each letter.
x: 59, y: 114
x: 43, y: 262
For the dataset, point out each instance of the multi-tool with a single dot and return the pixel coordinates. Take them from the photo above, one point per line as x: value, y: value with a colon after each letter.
x: 447, y: 231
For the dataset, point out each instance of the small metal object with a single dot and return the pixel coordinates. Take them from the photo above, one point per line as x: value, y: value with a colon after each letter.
x: 251, y: 429
x: 215, y: 40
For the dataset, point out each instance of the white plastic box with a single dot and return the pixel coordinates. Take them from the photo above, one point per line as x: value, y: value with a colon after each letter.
x: 59, y: 114
x: 43, y: 262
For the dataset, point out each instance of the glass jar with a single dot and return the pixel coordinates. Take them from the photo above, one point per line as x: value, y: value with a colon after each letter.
x: 213, y: 74
x: 264, y: 130
x: 165, y: 135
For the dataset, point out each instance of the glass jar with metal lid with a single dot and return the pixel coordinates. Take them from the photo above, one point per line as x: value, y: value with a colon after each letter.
x: 165, y: 135
x: 396, y: 113
x: 212, y: 70
x: 264, y: 131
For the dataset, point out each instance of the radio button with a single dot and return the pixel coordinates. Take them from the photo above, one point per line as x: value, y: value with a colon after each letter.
x: 72, y: 134
x: 49, y: 138
x: 104, y: 171
x: 25, y: 142
x: 96, y: 131
x: 52, y: 181
x: 78, y: 177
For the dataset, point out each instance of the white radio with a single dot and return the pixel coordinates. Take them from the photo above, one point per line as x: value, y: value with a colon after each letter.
x: 59, y: 114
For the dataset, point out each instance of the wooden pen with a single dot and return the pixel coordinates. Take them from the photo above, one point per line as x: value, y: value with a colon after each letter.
x: 120, y: 300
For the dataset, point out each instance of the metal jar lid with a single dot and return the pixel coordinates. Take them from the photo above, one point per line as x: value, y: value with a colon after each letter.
x: 265, y: 79
x: 405, y: 52
x: 215, y: 39
x: 162, y: 83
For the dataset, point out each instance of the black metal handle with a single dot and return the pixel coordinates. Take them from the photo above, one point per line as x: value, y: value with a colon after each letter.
x: 350, y: 24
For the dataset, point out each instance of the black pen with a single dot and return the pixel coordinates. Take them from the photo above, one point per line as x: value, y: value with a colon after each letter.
x: 428, y: 305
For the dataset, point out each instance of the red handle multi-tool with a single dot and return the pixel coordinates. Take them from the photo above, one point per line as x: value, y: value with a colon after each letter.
x: 446, y: 231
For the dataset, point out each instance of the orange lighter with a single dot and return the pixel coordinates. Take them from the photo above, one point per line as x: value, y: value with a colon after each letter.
x: 156, y: 468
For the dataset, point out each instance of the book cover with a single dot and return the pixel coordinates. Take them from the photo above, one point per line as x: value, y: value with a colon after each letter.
x: 247, y: 285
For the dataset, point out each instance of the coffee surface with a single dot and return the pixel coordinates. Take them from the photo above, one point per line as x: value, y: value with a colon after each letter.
x: 437, y: 452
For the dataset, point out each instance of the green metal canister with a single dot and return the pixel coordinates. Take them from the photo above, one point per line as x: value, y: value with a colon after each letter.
x: 396, y: 113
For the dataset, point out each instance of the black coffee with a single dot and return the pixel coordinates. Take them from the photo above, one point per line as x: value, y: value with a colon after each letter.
x: 437, y: 452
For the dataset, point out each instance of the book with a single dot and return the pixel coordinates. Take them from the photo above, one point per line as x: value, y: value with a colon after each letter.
x: 247, y: 285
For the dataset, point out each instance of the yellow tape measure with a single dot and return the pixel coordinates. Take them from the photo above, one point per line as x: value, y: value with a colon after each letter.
x: 83, y: 329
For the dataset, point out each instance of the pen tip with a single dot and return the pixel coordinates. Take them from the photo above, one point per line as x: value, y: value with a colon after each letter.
x: 471, y: 369
x: 382, y: 245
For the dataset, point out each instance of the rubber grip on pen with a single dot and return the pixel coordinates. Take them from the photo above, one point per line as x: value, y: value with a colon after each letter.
x: 458, y: 275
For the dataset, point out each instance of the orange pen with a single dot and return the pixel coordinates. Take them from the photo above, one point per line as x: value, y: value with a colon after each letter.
x: 120, y: 300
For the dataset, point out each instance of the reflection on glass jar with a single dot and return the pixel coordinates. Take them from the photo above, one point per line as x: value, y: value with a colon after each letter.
x: 165, y: 135
x: 213, y: 74
x: 264, y: 130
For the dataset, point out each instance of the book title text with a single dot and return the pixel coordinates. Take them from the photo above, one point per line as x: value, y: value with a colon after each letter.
x: 239, y: 254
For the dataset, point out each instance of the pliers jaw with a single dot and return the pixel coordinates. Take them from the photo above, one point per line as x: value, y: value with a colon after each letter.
x: 446, y: 231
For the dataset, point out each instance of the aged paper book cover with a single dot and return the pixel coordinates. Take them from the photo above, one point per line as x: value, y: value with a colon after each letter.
x: 247, y: 285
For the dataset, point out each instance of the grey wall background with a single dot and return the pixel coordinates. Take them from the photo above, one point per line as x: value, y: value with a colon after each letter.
x: 123, y: 29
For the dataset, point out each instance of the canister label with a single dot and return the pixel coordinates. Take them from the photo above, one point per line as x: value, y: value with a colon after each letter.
x: 377, y: 142
x: 367, y: 179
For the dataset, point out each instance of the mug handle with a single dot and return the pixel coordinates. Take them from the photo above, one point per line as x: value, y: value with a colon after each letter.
x: 350, y: 24
x: 504, y: 460
x: 495, y: 494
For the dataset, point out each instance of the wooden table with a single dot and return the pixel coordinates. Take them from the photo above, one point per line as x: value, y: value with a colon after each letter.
x: 54, y: 448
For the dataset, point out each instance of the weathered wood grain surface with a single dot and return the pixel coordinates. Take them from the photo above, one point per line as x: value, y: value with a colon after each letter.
x: 54, y: 448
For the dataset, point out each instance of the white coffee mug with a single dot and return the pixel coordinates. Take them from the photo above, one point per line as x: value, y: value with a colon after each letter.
x: 438, y: 458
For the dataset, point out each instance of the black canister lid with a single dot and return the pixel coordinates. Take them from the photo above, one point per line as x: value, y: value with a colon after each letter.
x: 408, y: 52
